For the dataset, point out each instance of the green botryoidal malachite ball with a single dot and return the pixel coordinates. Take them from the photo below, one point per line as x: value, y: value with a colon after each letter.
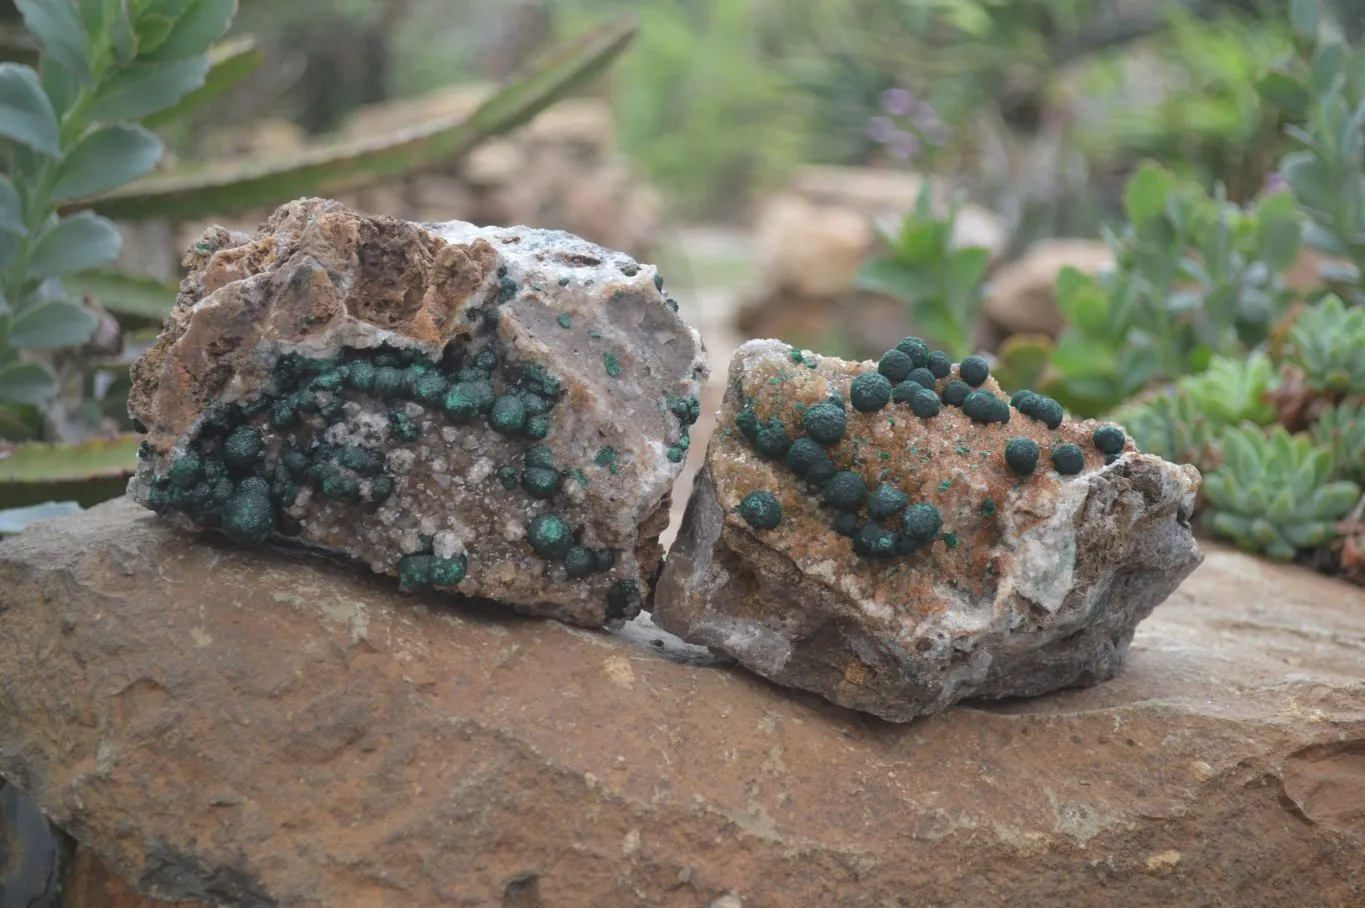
x: 508, y: 415
x: 773, y: 441
x: 341, y: 486
x: 537, y: 427
x: 804, y: 455
x: 916, y: 349
x: 578, y: 562
x: 923, y: 377
x: 1048, y: 412
x: 486, y: 361
x: 687, y: 409
x: 330, y: 380
x: 540, y: 456
x: 549, y: 536
x: 429, y: 388
x: 249, y: 518
x: 870, y: 392
x: 885, y: 501
x: 360, y: 376
x: 186, y: 470
x: 621, y: 598
x: 1021, y: 456
x: 603, y: 560
x: 387, y: 382
x: 449, y: 571
x: 414, y: 571
x: 381, y: 489
x: 283, y: 412
x: 461, y: 403
x: 846, y: 524
x: 1109, y: 439
x: 540, y: 483
x: 921, y: 522
x: 403, y: 427
x: 252, y: 485
x: 826, y: 423
x: 925, y: 404
x: 1068, y: 459
x: 985, y: 407
x: 762, y: 510
x: 896, y: 365
x: 306, y: 402
x: 243, y: 449
x: 1110, y: 459
x: 361, y: 460
x: 905, y: 391
x: 872, y: 541
x: 940, y: 364
x: 955, y: 393
x: 974, y: 371
x: 845, y: 491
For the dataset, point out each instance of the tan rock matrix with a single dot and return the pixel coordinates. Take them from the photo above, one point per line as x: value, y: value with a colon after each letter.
x: 897, y: 537
x: 499, y: 412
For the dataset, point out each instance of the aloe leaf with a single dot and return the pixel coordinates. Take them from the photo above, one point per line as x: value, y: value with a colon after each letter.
x: 124, y: 294
x: 16, y: 520
x: 229, y: 63
x: 87, y: 472
x: 341, y: 167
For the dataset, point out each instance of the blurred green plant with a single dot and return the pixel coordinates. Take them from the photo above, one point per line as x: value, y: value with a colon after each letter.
x: 1341, y: 429
x: 939, y: 281
x: 1327, y: 342
x: 1196, y: 276
x: 1320, y: 89
x: 1273, y: 493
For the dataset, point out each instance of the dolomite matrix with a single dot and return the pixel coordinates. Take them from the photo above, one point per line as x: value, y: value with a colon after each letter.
x: 500, y: 412
x: 898, y: 536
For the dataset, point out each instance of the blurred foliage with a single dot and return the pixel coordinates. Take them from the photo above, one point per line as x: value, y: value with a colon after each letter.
x: 939, y: 282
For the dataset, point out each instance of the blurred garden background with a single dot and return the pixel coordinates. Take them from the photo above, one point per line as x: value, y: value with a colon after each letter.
x: 1151, y: 210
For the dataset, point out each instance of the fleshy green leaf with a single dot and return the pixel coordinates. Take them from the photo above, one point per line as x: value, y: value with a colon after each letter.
x: 11, y: 210
x: 966, y: 267
x: 1145, y: 196
x: 152, y: 32
x: 204, y: 22
x: 27, y: 383
x: 59, y: 85
x: 1304, y: 16
x: 145, y: 88
x: 1279, y: 230
x: 51, y: 326
x: 78, y: 243
x: 56, y: 26
x: 229, y: 63
x: 125, y: 295
x: 26, y: 114
x: 1310, y: 179
x: 122, y: 33
x: 339, y: 168
x: 106, y: 158
x: 1285, y: 92
x: 92, y: 14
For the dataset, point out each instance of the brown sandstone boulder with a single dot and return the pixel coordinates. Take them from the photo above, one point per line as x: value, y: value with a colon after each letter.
x: 244, y: 730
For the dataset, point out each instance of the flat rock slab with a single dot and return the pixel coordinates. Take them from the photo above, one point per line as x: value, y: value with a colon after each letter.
x: 249, y: 729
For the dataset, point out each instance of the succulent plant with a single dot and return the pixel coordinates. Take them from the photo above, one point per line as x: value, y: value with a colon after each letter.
x: 1184, y: 423
x: 1273, y: 493
x: 1327, y: 342
x: 1341, y: 429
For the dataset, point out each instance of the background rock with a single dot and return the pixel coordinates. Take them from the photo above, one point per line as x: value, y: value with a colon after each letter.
x: 233, y: 727
x: 1023, y: 293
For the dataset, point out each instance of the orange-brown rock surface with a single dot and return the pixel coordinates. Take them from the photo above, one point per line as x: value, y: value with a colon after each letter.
x: 498, y: 411
x: 230, y: 726
x: 946, y: 574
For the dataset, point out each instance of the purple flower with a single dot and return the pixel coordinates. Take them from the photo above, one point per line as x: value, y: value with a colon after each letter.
x: 881, y: 130
x: 1274, y: 182
x: 904, y: 145
x: 897, y: 102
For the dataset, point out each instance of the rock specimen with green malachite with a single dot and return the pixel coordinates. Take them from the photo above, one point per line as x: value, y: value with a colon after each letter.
x: 500, y: 412
x: 901, y: 535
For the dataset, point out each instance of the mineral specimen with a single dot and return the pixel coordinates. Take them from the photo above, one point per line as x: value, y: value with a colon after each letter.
x: 499, y: 412
x: 982, y: 550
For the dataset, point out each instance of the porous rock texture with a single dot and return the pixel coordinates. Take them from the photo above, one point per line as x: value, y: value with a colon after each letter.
x: 221, y: 724
x: 1018, y: 585
x: 501, y: 411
